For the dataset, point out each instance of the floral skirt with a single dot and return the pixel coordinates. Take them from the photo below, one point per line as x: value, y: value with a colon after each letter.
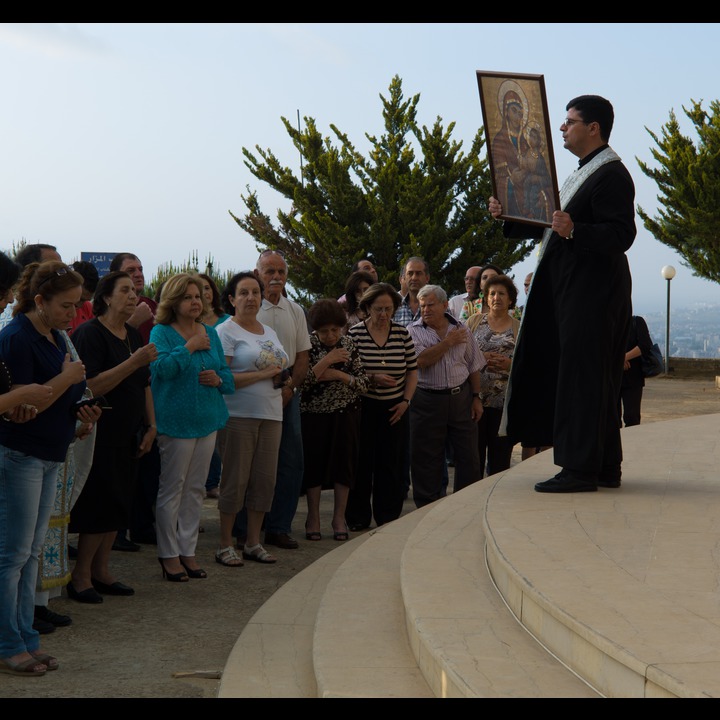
x: 53, y: 565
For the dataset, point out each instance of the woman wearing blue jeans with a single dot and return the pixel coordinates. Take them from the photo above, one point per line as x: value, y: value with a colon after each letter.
x: 31, y: 452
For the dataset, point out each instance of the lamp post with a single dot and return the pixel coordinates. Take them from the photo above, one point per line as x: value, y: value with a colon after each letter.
x: 668, y: 272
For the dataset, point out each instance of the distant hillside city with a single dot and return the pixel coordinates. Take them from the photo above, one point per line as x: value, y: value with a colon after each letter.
x: 694, y: 331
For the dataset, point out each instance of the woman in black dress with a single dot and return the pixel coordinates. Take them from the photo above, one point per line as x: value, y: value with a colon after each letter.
x: 117, y: 363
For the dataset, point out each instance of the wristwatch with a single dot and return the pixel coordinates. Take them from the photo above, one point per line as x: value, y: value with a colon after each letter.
x: 572, y: 234
x: 477, y: 395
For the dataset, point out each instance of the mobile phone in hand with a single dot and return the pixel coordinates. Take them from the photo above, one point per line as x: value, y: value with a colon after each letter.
x: 85, y: 402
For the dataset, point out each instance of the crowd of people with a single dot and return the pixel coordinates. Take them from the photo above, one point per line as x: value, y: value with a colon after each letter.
x: 122, y: 413
x: 242, y: 383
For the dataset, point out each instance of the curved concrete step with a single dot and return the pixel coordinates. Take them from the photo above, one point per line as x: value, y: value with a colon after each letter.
x: 621, y: 584
x: 334, y: 630
x: 360, y: 647
x: 273, y: 657
x: 464, y: 638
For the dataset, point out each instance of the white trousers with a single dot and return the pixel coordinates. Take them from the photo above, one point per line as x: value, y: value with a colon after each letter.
x: 184, y: 464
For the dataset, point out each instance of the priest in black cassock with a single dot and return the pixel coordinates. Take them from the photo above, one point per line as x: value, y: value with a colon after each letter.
x: 568, y: 364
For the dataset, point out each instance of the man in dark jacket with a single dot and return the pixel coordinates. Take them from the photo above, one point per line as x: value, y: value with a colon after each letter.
x: 568, y: 364
x: 142, y: 528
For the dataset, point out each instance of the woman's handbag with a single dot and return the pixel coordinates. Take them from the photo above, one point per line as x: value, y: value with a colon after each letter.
x: 652, y: 362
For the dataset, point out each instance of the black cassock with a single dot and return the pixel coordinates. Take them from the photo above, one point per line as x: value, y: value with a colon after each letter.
x: 568, y: 364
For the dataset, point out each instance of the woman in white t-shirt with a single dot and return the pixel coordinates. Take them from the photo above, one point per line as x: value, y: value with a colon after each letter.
x: 250, y: 441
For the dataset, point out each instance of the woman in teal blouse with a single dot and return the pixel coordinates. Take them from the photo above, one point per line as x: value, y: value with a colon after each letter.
x: 189, y: 378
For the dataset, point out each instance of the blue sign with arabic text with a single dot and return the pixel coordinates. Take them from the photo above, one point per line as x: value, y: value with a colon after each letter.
x: 101, y: 260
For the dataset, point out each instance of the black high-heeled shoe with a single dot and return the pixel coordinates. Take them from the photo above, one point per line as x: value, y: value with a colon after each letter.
x: 199, y: 573
x: 172, y: 577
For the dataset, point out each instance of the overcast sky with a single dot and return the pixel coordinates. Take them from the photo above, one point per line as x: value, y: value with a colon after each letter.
x: 128, y: 137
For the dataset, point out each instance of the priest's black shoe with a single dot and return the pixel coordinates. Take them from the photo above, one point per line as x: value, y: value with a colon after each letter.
x: 569, y: 481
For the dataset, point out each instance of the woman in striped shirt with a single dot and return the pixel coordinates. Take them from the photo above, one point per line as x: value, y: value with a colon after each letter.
x: 388, y: 353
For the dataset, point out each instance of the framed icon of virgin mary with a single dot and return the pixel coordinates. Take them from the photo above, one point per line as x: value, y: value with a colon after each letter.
x: 519, y: 142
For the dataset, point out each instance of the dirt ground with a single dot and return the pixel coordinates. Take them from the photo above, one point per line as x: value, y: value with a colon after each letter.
x: 171, y: 640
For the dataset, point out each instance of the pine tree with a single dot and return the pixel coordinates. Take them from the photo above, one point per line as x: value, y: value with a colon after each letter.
x: 689, y: 182
x: 416, y: 193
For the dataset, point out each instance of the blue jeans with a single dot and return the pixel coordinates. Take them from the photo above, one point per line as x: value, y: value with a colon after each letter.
x: 288, y: 483
x: 27, y: 496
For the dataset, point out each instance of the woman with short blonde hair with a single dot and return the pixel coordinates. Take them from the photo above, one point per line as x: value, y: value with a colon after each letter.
x: 189, y: 379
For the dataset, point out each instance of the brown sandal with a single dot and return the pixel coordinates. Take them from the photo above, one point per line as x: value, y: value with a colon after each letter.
x: 50, y: 662
x: 32, y: 667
